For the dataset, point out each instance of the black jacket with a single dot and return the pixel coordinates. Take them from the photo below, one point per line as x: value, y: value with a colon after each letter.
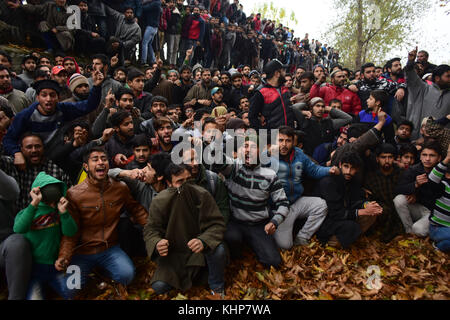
x: 343, y: 199
x: 274, y: 104
x: 426, y: 194
x: 317, y: 132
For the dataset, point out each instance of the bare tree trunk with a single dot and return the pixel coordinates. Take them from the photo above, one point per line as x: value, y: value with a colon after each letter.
x: 359, y: 35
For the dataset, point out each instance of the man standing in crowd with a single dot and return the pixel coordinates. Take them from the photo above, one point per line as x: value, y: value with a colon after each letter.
x: 272, y: 101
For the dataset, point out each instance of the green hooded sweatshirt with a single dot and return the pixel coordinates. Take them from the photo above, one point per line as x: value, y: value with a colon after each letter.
x: 44, y: 225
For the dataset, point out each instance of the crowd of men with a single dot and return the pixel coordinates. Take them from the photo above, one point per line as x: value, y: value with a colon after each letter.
x: 243, y: 142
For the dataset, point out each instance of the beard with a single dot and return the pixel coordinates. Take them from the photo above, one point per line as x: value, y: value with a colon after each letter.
x: 281, y: 80
x: 129, y: 20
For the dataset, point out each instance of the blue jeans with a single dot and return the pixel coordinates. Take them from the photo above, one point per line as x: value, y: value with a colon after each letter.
x: 441, y: 237
x: 147, y: 48
x: 216, y: 261
x: 45, y: 275
x: 116, y: 262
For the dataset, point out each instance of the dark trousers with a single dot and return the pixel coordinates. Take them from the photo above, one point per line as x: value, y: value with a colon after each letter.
x: 86, y: 44
x: 131, y: 238
x: 264, y: 246
x: 16, y: 260
x: 216, y: 261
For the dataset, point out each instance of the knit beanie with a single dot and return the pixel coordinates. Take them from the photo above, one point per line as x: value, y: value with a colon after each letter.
x: 75, y: 80
x: 315, y: 100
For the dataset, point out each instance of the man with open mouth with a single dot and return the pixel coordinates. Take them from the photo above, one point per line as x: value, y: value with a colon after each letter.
x: 96, y: 205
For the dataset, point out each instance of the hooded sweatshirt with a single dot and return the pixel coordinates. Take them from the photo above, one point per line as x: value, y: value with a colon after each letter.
x: 44, y: 225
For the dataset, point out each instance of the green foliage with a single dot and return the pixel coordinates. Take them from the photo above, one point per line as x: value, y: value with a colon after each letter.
x: 280, y: 15
x: 367, y: 30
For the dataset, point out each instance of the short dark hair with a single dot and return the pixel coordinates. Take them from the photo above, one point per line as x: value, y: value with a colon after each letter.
x: 208, y: 120
x: 356, y: 130
x: 102, y: 57
x: 440, y: 70
x: 174, y: 106
x: 160, y: 162
x: 287, y: 131
x: 200, y: 112
x: 335, y: 101
x: 185, y: 67
x: 366, y: 65
x: 352, y: 158
x: 122, y: 91
x: 159, y: 122
x: 243, y: 97
x: 382, y: 96
x: 386, y: 148
x: 39, y: 73
x: 236, y: 75
x: 408, y: 148
x: 424, y: 52
x: 141, y: 140
x: 92, y: 150
x: 205, y: 70
x: 173, y: 170
x: 134, y: 73
x: 30, y: 134
x: 123, y: 69
x: 159, y: 99
x: 29, y: 57
x: 307, y: 75
x: 2, y: 68
x: 118, y: 117
x: 7, y: 110
x: 432, y: 145
x: 6, y: 55
x: 390, y: 62
x: 406, y: 123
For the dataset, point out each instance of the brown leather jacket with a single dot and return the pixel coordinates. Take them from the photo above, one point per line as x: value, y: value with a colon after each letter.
x: 96, y: 211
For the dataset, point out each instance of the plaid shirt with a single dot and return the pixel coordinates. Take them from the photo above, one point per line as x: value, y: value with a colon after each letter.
x: 382, y: 186
x: 26, y: 178
x: 382, y: 189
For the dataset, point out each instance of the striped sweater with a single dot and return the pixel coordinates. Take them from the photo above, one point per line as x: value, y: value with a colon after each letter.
x: 253, y: 191
x: 441, y: 211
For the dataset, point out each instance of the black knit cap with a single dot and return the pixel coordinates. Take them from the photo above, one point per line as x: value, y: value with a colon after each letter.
x: 46, y: 84
x: 273, y: 66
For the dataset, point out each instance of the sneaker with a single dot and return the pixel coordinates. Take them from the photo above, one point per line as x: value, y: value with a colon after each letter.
x: 218, y: 292
x: 435, y: 247
x: 300, y: 241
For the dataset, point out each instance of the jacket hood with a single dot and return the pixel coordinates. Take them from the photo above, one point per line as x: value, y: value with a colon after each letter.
x: 43, y: 180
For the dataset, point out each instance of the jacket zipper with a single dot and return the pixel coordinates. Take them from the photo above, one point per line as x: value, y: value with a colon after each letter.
x: 284, y: 108
x: 104, y: 215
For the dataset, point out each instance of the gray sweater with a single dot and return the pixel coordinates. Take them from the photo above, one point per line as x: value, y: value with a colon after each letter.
x: 9, y: 192
x: 424, y: 100
x: 142, y: 192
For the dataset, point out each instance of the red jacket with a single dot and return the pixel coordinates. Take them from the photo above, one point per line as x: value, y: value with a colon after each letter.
x: 257, y: 24
x: 350, y: 100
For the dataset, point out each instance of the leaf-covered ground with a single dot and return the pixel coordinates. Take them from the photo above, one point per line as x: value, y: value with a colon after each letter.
x: 410, y: 269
